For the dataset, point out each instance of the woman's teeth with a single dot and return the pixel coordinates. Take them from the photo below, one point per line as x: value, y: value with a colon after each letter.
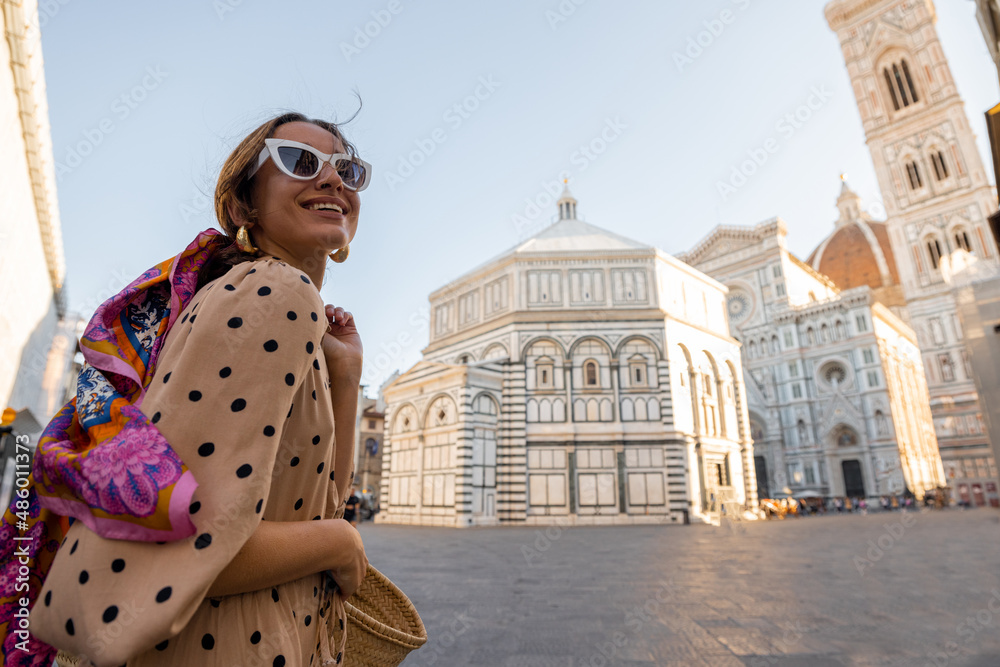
x: 323, y: 206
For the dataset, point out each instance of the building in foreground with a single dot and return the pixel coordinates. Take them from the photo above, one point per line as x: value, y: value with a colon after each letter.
x: 836, y: 391
x: 580, y: 377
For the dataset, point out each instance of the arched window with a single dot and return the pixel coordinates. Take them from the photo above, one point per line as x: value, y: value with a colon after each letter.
x: 839, y: 331
x: 811, y: 335
x: 752, y: 350
x: 962, y: 240
x: 934, y: 251
x: 590, y: 374
x: 803, y: 433
x: 940, y: 168
x: 824, y: 333
x: 900, y: 84
x: 913, y: 171
x: 544, y: 373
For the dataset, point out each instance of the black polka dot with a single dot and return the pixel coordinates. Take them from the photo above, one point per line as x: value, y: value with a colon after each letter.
x: 225, y: 372
x: 305, y: 279
x: 260, y: 506
x: 162, y: 646
x: 229, y: 288
x: 290, y: 379
x: 238, y: 405
x: 235, y: 322
x: 244, y: 470
x: 251, y: 271
x: 69, y: 628
x: 315, y: 591
x: 110, y: 614
x: 314, y: 394
x: 317, y: 517
x: 316, y: 364
x: 269, y: 430
x: 290, y: 407
x: 298, y: 504
x: 271, y: 345
x: 206, y: 449
x: 341, y: 621
x: 207, y: 642
x: 274, y: 594
x: 264, y: 291
x: 310, y: 347
x: 194, y: 396
x: 202, y: 541
x: 339, y: 656
x: 316, y: 439
x: 194, y: 507
x: 314, y: 316
x: 166, y: 377
x: 279, y: 661
x: 155, y: 418
x: 291, y: 315
x: 84, y: 576
x: 319, y: 468
x: 192, y: 318
x: 255, y: 637
x: 308, y: 620
x: 117, y: 565
x: 215, y: 603
x: 294, y: 462
x: 73, y: 548
x: 331, y: 475
x: 48, y: 598
x: 185, y: 318
x: 164, y: 594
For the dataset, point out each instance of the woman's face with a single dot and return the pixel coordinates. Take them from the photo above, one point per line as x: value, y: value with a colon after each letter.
x: 288, y: 225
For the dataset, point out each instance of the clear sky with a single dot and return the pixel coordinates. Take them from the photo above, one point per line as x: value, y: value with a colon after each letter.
x: 147, y: 100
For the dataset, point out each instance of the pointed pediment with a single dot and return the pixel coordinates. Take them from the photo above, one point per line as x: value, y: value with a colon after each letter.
x: 839, y: 410
x: 724, y: 240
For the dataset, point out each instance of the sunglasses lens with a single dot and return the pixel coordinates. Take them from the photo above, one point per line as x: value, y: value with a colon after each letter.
x: 351, y: 172
x: 298, y: 161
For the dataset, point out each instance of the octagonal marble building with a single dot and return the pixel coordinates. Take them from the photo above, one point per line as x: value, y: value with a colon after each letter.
x: 579, y: 378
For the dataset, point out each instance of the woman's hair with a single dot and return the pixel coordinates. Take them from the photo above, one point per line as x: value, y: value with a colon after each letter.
x: 234, y: 189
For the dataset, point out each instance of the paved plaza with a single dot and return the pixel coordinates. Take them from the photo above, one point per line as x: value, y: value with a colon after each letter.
x: 881, y: 589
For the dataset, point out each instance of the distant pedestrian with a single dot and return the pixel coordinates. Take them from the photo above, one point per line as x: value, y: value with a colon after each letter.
x: 351, y: 509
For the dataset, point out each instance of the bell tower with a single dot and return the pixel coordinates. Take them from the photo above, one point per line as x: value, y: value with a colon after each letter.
x: 933, y: 182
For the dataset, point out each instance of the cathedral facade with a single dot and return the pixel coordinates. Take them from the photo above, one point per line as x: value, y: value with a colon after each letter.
x: 580, y: 377
x: 836, y: 390
x: 937, y: 199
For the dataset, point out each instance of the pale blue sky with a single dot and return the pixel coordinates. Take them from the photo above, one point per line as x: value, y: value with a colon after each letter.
x: 197, y: 76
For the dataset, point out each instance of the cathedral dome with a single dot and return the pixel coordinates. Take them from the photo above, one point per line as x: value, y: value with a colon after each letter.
x: 858, y: 252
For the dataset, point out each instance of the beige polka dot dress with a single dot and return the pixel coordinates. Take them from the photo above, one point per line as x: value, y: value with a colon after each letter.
x: 242, y: 394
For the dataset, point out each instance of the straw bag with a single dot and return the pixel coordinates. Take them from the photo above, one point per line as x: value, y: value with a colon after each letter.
x: 383, y: 626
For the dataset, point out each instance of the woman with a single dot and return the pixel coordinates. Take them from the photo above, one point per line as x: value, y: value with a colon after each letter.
x: 251, y: 389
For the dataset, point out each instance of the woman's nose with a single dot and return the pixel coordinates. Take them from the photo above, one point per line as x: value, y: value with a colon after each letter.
x: 329, y: 177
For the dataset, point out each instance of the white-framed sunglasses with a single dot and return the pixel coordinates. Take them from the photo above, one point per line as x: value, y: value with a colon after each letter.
x: 303, y: 162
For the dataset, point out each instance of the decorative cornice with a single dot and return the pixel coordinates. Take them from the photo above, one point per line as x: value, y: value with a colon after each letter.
x: 25, y: 45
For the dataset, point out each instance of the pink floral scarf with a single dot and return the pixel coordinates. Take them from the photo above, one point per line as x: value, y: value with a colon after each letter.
x: 100, y: 460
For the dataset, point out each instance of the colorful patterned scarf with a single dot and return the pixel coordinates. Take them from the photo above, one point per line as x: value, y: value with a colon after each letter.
x: 100, y: 460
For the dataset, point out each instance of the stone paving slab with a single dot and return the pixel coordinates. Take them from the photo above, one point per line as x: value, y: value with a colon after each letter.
x: 919, y: 589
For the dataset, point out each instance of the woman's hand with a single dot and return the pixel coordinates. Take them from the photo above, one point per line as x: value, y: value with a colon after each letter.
x: 348, y: 562
x: 342, y: 344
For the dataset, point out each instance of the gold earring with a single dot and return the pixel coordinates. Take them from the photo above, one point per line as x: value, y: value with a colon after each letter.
x: 341, y: 255
x: 243, y: 240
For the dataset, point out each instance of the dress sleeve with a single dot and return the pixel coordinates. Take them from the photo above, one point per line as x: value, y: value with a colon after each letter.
x: 221, y: 397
